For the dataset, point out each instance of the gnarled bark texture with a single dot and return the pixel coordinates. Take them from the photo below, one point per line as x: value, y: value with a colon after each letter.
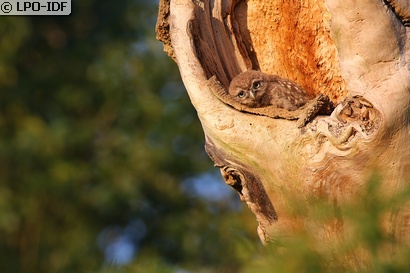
x: 355, y: 52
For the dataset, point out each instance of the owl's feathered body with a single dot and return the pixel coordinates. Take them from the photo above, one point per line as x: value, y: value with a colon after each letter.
x: 256, y: 89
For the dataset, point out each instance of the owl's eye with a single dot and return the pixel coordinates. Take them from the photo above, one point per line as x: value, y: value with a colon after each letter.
x: 241, y: 94
x: 256, y: 85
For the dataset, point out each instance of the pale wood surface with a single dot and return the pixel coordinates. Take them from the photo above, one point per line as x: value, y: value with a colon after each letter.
x: 341, y: 48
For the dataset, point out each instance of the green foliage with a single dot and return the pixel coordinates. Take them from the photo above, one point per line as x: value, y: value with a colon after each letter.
x: 362, y: 245
x: 98, y: 133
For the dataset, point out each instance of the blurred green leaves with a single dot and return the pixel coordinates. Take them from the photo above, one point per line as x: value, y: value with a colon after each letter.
x: 365, y: 241
x: 97, y: 132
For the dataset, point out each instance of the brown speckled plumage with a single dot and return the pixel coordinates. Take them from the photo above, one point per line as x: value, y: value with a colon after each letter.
x: 256, y: 89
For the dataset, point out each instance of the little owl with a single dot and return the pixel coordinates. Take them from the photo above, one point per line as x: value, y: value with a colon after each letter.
x: 256, y: 89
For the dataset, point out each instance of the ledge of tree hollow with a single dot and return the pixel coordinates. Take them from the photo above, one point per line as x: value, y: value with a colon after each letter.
x: 355, y: 52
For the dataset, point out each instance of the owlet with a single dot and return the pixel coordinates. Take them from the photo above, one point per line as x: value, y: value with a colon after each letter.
x: 256, y: 89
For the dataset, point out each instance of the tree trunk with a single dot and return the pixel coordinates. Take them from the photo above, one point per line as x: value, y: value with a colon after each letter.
x: 355, y: 52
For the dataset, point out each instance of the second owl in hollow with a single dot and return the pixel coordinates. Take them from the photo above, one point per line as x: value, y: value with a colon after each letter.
x: 256, y: 89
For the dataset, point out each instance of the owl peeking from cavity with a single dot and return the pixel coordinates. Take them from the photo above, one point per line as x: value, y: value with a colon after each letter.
x: 256, y: 89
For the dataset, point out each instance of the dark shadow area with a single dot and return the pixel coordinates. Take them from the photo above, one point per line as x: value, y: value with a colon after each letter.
x: 222, y: 44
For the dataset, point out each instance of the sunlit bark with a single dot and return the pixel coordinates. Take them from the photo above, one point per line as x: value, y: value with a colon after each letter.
x: 356, y: 52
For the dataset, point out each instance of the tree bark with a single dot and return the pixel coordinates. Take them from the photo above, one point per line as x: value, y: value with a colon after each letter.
x: 355, y: 52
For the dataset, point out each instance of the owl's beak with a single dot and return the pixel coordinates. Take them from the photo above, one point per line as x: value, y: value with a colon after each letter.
x: 251, y: 94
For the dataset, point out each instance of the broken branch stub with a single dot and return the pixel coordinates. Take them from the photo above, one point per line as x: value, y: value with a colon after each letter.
x: 355, y: 53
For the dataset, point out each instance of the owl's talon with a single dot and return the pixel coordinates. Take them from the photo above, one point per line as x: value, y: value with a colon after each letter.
x: 272, y: 96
